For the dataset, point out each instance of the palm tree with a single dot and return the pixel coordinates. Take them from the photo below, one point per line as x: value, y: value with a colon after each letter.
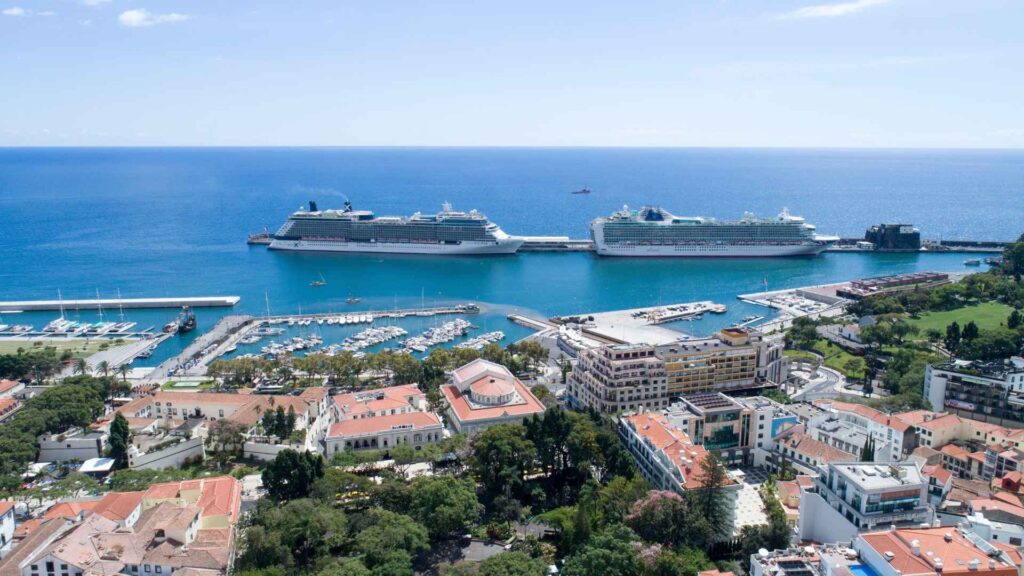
x: 104, y: 368
x: 123, y: 370
x: 81, y: 367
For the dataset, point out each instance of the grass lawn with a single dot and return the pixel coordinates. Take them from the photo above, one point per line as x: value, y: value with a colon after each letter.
x: 987, y: 315
x: 78, y: 346
x: 835, y: 358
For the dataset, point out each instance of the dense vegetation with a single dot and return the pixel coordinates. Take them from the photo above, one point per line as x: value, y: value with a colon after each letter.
x: 75, y: 402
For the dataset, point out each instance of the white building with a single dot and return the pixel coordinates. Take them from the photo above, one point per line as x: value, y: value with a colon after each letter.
x: 482, y: 394
x: 6, y: 525
x: 74, y: 444
x: 859, y: 496
x: 986, y: 391
x: 381, y: 419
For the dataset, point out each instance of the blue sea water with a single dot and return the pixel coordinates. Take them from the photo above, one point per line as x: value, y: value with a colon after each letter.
x: 172, y: 222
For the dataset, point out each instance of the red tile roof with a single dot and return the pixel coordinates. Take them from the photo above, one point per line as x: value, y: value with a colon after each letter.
x: 6, y: 506
x: 378, y: 401
x: 956, y: 554
x: 69, y: 509
x: 675, y: 443
x: 118, y: 505
x: 938, y: 472
x: 954, y: 451
x: 8, y: 385
x: 362, y: 426
x: 467, y: 412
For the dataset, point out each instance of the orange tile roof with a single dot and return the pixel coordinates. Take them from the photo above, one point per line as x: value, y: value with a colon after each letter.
x: 893, y: 421
x: 675, y: 443
x: 7, y: 404
x: 392, y: 397
x: 8, y: 385
x: 956, y: 554
x: 938, y: 472
x: 27, y: 527
x: 955, y: 451
x: 69, y: 509
x: 218, y: 496
x: 118, y: 505
x: 824, y: 453
x: 467, y: 412
x: 982, y: 504
x: 941, y: 423
x: 1007, y: 497
x: 378, y: 424
x: 6, y: 506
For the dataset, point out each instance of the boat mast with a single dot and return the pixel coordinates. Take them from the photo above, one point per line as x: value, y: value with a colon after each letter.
x: 60, y: 301
x: 99, y: 304
x: 120, y: 305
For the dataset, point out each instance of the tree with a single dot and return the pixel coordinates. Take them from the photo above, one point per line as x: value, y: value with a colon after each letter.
x: 290, y: 475
x: 336, y: 483
x: 953, y: 336
x: 802, y: 334
x: 444, y: 504
x: 81, y: 367
x: 346, y: 567
x: 502, y: 455
x: 403, y: 455
x: 970, y: 331
x: 867, y: 454
x: 391, y: 532
x: 662, y: 517
x: 1015, y: 320
x: 299, y: 534
x: 512, y: 564
x: 609, y: 553
x: 1013, y: 259
x: 711, y: 497
x: 119, y: 440
x: 226, y: 439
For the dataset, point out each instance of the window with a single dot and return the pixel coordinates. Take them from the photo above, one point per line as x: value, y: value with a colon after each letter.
x: 63, y: 566
x: 159, y: 569
x: 220, y: 412
x: 146, y: 567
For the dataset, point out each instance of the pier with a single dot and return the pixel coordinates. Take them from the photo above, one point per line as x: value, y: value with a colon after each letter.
x: 555, y: 244
x: 640, y: 325
x: 94, y: 303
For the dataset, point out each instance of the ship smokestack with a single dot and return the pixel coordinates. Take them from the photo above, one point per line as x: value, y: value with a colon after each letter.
x: 312, y: 206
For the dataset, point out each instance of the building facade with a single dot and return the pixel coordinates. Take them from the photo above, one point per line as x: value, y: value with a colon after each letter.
x: 988, y: 391
x: 482, y: 394
x: 629, y: 377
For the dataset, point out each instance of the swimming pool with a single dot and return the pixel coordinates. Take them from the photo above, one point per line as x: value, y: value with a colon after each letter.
x: 862, y: 570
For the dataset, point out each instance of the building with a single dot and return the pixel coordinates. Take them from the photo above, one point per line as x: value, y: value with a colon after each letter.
x: 930, y: 551
x: 629, y: 377
x: 848, y: 426
x: 482, y: 394
x: 381, y: 419
x: 895, y: 284
x: 6, y: 525
x: 76, y: 444
x: 940, y: 482
x: 10, y: 388
x: 797, y: 450
x: 667, y: 457
x: 734, y: 427
x: 857, y: 497
x: 987, y: 391
x: 894, y: 237
x: 8, y: 406
x: 187, y: 528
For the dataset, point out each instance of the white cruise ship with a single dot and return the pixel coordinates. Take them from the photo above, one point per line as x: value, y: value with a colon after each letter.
x: 652, y: 231
x: 448, y: 232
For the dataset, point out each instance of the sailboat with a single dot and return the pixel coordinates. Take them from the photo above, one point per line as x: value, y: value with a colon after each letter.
x: 320, y: 282
x: 583, y: 190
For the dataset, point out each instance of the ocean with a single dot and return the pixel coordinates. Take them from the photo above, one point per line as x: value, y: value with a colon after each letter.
x: 173, y: 222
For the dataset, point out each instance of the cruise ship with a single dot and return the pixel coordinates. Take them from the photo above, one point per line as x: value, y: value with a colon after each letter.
x: 653, y: 231
x: 449, y: 232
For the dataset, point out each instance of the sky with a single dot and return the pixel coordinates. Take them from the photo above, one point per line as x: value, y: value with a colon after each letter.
x: 750, y: 73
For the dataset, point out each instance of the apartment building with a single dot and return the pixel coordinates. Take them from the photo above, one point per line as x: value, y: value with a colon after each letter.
x: 667, y: 457
x: 860, y: 496
x: 848, y: 426
x: 627, y: 377
x: 987, y: 391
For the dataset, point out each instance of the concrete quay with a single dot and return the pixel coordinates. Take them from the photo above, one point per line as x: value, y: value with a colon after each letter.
x: 109, y: 303
x: 640, y: 325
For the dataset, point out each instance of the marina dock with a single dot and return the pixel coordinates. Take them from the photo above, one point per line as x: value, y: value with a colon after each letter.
x: 110, y: 303
x: 640, y: 325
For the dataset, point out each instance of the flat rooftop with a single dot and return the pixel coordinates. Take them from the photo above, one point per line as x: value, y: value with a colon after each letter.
x: 881, y: 476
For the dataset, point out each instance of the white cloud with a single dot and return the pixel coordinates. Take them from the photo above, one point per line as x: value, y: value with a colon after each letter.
x: 142, y: 18
x: 834, y: 10
x: 19, y: 11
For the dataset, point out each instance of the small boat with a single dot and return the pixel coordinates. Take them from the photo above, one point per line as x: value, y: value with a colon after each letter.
x: 972, y: 262
x: 583, y: 190
x: 353, y: 300
x: 320, y: 282
x: 230, y: 349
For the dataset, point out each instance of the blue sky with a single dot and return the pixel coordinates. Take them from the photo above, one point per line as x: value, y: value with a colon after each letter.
x: 856, y: 73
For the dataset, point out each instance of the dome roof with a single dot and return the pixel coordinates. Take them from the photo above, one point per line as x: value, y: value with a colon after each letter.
x: 491, y: 387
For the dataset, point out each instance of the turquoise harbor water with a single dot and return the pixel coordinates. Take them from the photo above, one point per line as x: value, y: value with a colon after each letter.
x: 172, y: 222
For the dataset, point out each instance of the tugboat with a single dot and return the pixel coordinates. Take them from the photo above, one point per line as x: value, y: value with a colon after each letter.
x: 583, y: 190
x: 972, y: 262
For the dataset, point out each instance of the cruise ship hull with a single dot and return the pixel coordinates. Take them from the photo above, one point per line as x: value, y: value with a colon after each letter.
x: 465, y: 248
x: 711, y: 250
